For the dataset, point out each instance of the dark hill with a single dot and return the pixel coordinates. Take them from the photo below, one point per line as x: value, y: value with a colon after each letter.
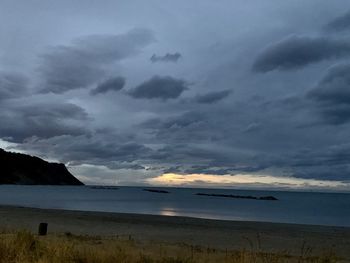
x: 17, y: 168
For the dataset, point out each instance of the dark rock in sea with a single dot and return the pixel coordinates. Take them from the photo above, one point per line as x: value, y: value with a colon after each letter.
x: 104, y: 187
x: 156, y: 191
x: 240, y: 196
x: 22, y: 169
x: 269, y: 198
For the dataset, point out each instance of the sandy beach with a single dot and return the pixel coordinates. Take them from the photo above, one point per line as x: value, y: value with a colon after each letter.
x: 270, y: 237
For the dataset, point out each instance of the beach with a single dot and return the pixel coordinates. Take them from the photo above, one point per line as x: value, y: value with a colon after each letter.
x: 219, y: 234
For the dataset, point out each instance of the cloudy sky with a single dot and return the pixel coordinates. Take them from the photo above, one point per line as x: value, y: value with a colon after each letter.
x: 212, y: 93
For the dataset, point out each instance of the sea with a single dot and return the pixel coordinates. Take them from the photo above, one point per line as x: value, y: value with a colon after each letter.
x: 331, y: 209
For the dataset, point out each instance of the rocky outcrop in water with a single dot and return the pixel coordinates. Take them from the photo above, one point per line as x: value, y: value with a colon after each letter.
x: 17, y: 168
x: 156, y: 191
x: 268, y: 198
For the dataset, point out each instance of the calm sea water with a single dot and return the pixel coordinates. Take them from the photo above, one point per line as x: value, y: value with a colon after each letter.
x: 292, y: 207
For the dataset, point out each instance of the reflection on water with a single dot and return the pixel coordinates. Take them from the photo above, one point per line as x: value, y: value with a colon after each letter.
x: 169, y: 212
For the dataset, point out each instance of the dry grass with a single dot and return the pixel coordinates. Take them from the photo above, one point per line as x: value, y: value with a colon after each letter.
x: 24, y: 247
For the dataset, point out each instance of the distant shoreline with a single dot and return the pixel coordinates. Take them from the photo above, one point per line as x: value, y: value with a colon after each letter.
x: 173, y: 229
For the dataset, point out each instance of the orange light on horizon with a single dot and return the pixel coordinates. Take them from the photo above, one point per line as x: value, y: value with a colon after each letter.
x: 173, y: 179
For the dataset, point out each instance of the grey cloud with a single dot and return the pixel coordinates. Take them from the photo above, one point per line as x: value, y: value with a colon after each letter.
x: 211, y: 159
x: 84, y: 62
x: 211, y: 169
x: 334, y: 88
x: 111, y: 150
x: 234, y: 169
x: 295, y: 52
x: 171, y: 127
x: 212, y: 97
x: 159, y: 88
x: 213, y: 142
x: 332, y: 94
x: 52, y: 110
x: 251, y: 127
x: 331, y: 162
x: 12, y: 85
x: 191, y: 143
x: 41, y: 120
x: 168, y: 57
x: 112, y: 84
x: 337, y: 115
x: 254, y: 130
x: 340, y: 23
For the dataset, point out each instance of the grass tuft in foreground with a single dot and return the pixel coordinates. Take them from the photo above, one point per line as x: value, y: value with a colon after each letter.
x: 24, y: 247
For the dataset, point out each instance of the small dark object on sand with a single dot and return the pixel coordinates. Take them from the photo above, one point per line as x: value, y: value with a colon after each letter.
x: 156, y: 191
x: 42, y: 229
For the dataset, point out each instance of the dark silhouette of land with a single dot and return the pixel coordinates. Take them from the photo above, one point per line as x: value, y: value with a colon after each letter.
x: 17, y: 168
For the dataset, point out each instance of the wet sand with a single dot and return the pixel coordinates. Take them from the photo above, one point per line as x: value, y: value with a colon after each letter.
x: 270, y: 237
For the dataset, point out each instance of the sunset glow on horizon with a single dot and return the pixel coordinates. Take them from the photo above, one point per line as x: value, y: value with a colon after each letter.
x: 173, y: 179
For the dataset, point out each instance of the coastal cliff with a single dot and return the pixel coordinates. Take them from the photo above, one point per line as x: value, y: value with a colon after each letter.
x: 17, y: 168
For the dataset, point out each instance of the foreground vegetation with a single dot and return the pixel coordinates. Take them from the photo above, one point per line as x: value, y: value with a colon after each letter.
x: 24, y: 247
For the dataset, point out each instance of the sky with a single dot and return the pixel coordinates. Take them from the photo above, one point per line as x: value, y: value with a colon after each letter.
x: 231, y: 93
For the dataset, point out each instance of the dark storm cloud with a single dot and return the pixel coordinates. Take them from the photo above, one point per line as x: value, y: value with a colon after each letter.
x: 185, y: 138
x: 52, y: 110
x: 168, y: 57
x: 189, y: 142
x: 112, y: 84
x: 296, y: 52
x: 179, y: 126
x: 111, y: 150
x: 210, y: 142
x: 340, y: 23
x: 41, y: 120
x: 84, y: 62
x: 210, y: 169
x: 212, y: 97
x: 251, y: 127
x: 334, y: 88
x: 337, y: 115
x: 190, y: 158
x: 332, y: 94
x: 159, y: 88
x: 12, y: 85
x: 331, y: 162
